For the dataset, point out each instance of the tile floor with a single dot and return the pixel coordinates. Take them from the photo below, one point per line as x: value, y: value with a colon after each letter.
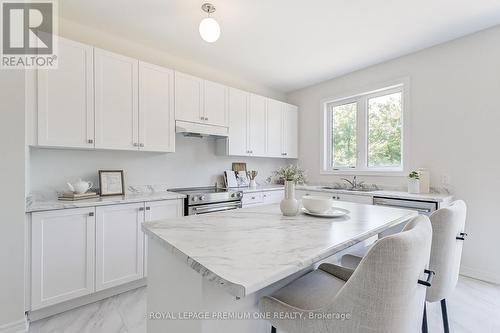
x: 474, y: 307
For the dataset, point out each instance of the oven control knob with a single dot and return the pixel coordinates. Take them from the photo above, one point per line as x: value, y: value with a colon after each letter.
x: 194, y: 199
x: 202, y: 197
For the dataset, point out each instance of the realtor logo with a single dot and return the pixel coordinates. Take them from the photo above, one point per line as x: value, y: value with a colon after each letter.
x: 28, y: 34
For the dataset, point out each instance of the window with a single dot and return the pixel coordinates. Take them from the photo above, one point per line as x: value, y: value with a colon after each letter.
x: 365, y: 132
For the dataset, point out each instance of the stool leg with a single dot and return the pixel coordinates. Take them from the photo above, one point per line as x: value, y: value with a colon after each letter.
x: 273, y: 329
x: 424, y: 321
x: 445, y: 316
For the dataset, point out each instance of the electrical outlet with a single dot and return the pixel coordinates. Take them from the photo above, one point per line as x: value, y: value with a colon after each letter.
x: 445, y: 179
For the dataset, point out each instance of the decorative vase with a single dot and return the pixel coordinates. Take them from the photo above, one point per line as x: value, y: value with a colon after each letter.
x: 289, y: 205
x: 413, y: 185
x: 253, y: 183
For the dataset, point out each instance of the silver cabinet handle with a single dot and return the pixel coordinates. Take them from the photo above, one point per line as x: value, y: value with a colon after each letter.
x: 90, y: 141
x: 141, y: 209
x: 141, y: 144
x: 91, y: 214
x: 135, y: 144
x: 148, y: 208
x: 206, y: 118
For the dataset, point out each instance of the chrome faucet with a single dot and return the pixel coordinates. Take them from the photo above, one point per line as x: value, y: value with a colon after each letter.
x: 354, y: 183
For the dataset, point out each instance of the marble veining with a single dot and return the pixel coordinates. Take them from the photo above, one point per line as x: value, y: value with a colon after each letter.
x: 48, y: 201
x: 248, y: 249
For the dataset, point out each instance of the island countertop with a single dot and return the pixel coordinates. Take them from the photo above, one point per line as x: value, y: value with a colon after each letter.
x: 248, y: 249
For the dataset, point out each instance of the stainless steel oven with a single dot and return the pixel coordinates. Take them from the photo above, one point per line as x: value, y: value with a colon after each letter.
x: 204, y: 200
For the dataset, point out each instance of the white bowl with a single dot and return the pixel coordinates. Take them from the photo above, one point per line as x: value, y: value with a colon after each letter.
x: 317, y: 204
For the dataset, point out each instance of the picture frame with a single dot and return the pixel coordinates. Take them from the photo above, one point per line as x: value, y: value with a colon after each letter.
x: 111, y: 182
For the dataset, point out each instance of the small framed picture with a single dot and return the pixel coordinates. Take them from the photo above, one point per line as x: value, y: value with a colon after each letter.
x: 111, y: 182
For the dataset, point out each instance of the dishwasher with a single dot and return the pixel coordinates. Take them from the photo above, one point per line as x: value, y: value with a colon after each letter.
x: 422, y: 207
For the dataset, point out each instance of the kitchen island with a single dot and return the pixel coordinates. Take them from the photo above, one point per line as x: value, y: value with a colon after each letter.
x: 206, y: 273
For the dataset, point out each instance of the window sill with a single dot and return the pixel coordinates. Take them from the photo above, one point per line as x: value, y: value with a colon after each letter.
x: 358, y: 172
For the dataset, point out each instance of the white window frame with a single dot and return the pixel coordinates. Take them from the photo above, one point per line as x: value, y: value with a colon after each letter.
x: 361, y: 97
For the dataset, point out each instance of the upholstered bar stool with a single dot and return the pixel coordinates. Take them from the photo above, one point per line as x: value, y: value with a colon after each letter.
x: 383, y: 294
x: 446, y: 252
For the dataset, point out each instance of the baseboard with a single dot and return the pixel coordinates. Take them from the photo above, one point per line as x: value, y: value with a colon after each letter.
x: 480, y: 275
x: 20, y: 326
x: 84, y: 300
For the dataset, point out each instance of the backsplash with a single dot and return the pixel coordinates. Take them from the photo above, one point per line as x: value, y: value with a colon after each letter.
x: 193, y: 164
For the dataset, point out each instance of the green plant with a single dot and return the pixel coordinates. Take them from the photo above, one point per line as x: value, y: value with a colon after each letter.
x: 414, y: 175
x: 289, y: 173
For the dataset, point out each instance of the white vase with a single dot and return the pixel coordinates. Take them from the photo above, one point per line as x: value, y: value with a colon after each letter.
x: 413, y: 185
x: 289, y: 205
x: 253, y: 183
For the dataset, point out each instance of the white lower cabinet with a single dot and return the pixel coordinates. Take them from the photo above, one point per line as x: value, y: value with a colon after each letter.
x: 77, y: 252
x: 362, y: 199
x: 119, y: 244
x: 159, y: 210
x: 62, y: 255
x: 262, y: 198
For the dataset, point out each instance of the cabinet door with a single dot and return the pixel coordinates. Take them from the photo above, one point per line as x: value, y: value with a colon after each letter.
x: 116, y: 106
x: 215, y: 104
x: 62, y: 255
x: 362, y: 199
x: 156, y: 108
x: 257, y: 125
x: 119, y: 244
x: 66, y: 98
x: 188, y: 98
x: 238, y: 107
x: 274, y: 128
x: 160, y: 210
x: 291, y: 132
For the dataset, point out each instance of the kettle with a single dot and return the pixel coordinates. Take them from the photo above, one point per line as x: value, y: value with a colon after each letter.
x: 80, y: 186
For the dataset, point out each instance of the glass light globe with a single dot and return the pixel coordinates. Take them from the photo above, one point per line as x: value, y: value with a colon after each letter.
x: 209, y: 30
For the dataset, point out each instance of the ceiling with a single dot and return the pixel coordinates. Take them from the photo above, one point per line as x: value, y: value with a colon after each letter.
x: 286, y: 44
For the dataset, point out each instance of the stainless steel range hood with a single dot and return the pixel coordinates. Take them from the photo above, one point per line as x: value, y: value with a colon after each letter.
x: 200, y: 130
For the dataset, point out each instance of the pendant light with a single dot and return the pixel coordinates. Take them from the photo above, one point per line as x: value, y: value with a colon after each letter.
x: 209, y: 28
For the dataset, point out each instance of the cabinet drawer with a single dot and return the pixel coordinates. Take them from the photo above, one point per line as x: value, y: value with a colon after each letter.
x: 251, y: 198
x: 272, y: 197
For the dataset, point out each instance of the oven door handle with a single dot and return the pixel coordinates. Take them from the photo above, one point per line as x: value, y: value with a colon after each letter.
x: 202, y: 210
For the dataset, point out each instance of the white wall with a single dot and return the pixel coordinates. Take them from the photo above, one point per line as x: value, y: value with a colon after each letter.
x: 193, y: 164
x: 12, y: 202
x: 118, y: 44
x: 455, y: 119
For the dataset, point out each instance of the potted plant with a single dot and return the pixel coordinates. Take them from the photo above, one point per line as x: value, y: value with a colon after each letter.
x: 290, y: 175
x: 414, y: 182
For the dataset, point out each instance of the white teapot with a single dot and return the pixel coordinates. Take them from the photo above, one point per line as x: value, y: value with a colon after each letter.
x: 80, y: 186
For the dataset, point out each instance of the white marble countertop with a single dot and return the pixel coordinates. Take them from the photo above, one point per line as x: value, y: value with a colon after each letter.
x: 248, y: 249
x: 437, y: 197
x: 262, y: 188
x: 34, y: 204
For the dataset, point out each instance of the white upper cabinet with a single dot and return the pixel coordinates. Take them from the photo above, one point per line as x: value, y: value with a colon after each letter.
x: 257, y: 125
x: 188, y: 98
x: 290, y: 129
x: 119, y: 244
x: 238, y: 125
x: 62, y: 255
x: 274, y: 128
x: 116, y: 104
x: 156, y: 108
x: 66, y: 98
x: 200, y: 101
x: 215, y: 104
